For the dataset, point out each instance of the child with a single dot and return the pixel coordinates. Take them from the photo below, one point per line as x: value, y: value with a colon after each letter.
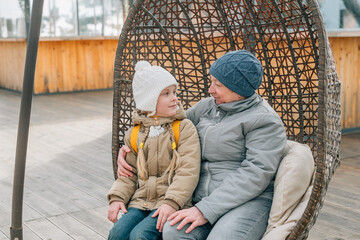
x: 165, y: 173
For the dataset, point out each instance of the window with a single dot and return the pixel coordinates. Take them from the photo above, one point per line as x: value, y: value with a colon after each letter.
x: 12, y: 20
x: 340, y: 14
x: 59, y: 18
x: 66, y: 18
x: 115, y: 13
x: 69, y: 18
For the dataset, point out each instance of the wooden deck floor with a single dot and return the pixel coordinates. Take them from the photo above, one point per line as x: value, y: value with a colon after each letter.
x: 69, y: 171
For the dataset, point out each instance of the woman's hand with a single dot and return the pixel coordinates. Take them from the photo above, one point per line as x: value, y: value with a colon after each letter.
x: 164, y: 211
x: 114, y: 209
x: 191, y: 215
x: 124, y: 169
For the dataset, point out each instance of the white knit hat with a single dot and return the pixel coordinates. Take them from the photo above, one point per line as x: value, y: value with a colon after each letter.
x: 148, y: 83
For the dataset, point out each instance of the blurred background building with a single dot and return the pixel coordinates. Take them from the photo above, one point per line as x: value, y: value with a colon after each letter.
x: 79, y: 38
x: 341, y: 14
x: 65, y: 18
x: 69, y: 18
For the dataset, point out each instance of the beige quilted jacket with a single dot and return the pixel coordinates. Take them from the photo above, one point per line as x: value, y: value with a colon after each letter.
x: 153, y: 192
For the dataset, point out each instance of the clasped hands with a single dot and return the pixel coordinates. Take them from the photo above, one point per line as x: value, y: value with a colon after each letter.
x: 163, y: 212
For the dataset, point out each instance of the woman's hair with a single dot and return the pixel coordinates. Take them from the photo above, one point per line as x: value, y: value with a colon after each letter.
x: 142, y: 113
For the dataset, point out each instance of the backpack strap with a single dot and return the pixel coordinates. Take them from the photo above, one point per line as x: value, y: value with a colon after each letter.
x: 133, y: 137
x: 176, y: 130
x: 135, y: 133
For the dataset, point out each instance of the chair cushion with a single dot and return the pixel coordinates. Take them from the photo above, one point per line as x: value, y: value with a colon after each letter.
x: 292, y: 189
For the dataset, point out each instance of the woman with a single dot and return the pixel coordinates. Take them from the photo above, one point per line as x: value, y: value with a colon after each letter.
x: 241, y: 139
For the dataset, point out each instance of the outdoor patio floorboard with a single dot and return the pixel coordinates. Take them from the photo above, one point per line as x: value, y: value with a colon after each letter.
x: 69, y: 171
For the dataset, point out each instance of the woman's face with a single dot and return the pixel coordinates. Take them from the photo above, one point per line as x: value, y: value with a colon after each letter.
x: 221, y: 93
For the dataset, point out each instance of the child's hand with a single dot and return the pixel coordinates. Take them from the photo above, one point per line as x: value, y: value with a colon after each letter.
x: 114, y: 209
x: 164, y: 211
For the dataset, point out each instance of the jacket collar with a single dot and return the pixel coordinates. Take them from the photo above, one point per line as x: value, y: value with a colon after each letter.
x: 155, y: 121
x: 239, y: 106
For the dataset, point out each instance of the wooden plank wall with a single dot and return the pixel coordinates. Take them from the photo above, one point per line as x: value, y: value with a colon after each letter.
x: 346, y: 51
x: 62, y: 65
x: 87, y: 64
x: 12, y: 61
x: 67, y: 66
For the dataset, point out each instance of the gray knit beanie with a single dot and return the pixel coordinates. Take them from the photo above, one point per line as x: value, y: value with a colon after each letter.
x: 240, y: 71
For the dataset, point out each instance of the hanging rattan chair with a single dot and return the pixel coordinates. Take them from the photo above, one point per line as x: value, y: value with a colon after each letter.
x: 288, y: 37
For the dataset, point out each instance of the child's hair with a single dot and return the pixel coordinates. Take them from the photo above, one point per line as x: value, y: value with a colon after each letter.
x: 140, y: 161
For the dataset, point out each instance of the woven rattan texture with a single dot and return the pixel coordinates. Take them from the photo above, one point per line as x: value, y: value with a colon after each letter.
x: 288, y: 37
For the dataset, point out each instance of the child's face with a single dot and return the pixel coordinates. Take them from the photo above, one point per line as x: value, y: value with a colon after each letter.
x: 167, y: 102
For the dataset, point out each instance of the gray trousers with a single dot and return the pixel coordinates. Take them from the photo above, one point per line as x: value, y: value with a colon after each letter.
x: 248, y: 221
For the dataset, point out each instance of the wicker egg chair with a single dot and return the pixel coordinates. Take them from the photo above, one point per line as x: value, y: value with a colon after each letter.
x: 288, y: 37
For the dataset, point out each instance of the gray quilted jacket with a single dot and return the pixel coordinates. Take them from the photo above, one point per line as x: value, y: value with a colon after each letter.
x: 241, y: 145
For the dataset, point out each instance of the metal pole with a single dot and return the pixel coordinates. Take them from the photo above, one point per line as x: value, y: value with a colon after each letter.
x: 24, y: 120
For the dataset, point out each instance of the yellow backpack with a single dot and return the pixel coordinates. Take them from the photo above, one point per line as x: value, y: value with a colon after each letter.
x: 135, y: 132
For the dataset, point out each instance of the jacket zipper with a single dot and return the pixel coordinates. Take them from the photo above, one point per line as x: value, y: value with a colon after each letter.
x: 207, y: 180
x: 206, y: 165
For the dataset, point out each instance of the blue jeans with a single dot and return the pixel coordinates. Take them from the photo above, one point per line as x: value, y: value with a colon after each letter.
x: 135, y: 224
x: 248, y: 221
